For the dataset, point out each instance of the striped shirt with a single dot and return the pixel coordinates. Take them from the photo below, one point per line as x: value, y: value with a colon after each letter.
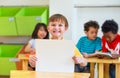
x: 89, y: 46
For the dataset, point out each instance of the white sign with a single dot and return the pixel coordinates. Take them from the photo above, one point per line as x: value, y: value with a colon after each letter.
x: 54, y: 55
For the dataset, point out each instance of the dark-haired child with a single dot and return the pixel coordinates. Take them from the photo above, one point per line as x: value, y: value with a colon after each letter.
x: 40, y: 32
x: 111, y: 42
x: 89, y: 44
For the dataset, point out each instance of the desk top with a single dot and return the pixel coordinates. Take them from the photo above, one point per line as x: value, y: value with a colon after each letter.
x: 97, y: 60
x: 34, y: 74
x: 92, y: 59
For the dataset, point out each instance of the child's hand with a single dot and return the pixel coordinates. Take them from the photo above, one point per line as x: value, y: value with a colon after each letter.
x: 112, y: 51
x: 100, y: 56
x: 79, y: 60
x: 32, y: 51
x: 85, y: 55
x: 32, y: 60
x: 115, y: 56
x: 83, y: 62
x: 76, y: 59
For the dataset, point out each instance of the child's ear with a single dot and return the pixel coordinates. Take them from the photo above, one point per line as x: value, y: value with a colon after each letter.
x: 48, y: 28
x: 85, y: 32
x: 66, y: 28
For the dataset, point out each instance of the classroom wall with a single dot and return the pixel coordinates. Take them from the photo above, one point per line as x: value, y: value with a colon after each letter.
x: 95, y: 10
x: 65, y: 7
x: 97, y: 2
x: 97, y: 14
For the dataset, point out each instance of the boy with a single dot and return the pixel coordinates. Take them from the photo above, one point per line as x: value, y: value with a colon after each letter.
x: 90, y: 44
x: 58, y: 24
x: 111, y: 42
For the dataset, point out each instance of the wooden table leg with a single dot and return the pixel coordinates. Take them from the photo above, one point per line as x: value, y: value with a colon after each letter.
x: 100, y: 73
x: 106, y: 71
x: 117, y: 70
x: 92, y: 65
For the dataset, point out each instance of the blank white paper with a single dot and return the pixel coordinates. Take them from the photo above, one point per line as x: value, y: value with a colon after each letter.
x: 54, y: 55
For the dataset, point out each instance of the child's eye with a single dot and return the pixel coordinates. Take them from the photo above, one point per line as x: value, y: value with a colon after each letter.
x: 60, y: 25
x: 92, y: 32
x: 53, y: 25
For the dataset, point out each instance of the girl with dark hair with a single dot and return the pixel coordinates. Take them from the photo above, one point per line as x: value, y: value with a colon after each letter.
x: 40, y: 32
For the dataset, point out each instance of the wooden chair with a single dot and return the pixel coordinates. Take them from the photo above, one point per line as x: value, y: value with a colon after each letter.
x: 24, y: 60
x: 23, y: 63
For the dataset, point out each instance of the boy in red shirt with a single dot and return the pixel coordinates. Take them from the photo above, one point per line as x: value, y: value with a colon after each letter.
x: 111, y: 42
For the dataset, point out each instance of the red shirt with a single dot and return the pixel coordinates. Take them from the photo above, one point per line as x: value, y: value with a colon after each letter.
x: 115, y: 45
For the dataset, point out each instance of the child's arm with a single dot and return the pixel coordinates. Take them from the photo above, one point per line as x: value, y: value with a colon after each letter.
x: 28, y: 48
x: 89, y: 55
x: 78, y: 58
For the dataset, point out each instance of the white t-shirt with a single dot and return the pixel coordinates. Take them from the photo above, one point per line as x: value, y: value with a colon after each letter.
x: 32, y: 42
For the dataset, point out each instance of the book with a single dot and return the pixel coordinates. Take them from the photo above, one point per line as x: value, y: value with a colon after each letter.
x: 104, y: 54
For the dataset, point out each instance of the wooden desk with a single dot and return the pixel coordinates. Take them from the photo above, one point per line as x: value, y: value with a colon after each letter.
x: 24, y: 58
x: 101, y: 64
x: 34, y: 74
x: 117, y: 63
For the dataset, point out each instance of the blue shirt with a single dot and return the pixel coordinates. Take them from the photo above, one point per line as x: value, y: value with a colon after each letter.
x: 89, y: 46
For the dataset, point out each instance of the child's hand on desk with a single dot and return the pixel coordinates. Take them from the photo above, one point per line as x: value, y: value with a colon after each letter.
x: 32, y: 60
x: 79, y: 60
x: 100, y: 56
x: 115, y: 56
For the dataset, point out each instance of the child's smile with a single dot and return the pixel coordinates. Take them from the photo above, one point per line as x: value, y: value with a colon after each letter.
x: 56, y: 29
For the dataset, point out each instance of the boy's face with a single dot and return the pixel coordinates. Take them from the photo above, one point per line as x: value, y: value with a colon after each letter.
x: 57, y: 28
x: 91, y: 33
x: 109, y: 36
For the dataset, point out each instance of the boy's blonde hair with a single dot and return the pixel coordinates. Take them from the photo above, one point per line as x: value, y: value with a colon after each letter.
x: 58, y: 17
